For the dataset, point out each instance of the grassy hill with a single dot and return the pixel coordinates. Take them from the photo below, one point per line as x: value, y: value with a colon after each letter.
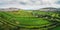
x: 21, y: 13
x: 28, y: 19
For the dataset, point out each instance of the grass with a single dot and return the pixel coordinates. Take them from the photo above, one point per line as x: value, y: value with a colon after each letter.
x: 32, y: 21
x: 57, y: 28
x: 27, y: 19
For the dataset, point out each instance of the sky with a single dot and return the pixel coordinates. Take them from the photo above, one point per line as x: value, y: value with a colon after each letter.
x: 29, y: 4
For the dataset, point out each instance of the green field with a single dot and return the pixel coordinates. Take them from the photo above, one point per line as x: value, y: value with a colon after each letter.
x: 29, y: 20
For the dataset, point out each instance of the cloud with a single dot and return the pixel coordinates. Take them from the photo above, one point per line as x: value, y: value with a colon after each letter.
x: 58, y: 2
x: 29, y: 4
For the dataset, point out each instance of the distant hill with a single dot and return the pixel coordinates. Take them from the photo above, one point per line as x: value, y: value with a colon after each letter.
x: 50, y: 9
x: 9, y: 9
x: 42, y: 9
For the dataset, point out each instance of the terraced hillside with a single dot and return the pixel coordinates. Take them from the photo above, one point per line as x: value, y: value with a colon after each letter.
x: 29, y: 20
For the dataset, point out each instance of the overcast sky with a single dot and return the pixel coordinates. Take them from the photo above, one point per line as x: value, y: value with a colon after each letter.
x: 29, y: 4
